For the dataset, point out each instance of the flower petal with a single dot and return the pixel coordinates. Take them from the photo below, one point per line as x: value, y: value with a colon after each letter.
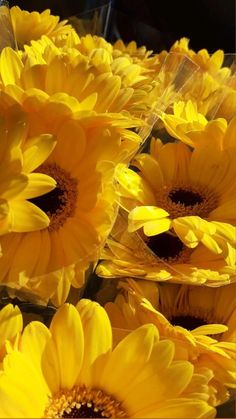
x: 27, y: 217
x: 63, y: 355
x: 95, y: 321
x: 37, y: 151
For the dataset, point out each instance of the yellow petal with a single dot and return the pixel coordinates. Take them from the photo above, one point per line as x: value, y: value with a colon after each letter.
x: 210, y: 329
x: 179, y: 409
x: 11, y: 322
x: 19, y: 384
x: 95, y: 323
x: 150, y: 169
x: 152, y: 228
x: 63, y: 355
x: 27, y: 217
x: 33, y: 342
x: 133, y: 186
x: 37, y: 151
x: 12, y: 186
x: 150, y: 217
x: 38, y: 184
x: 11, y: 66
x: 128, y: 359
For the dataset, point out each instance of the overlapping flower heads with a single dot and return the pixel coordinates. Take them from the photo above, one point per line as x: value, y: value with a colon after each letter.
x: 74, y: 370
x: 58, y: 158
x: 187, y: 315
x: 83, y: 186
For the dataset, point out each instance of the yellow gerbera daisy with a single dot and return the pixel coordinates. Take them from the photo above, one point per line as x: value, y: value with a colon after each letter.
x: 67, y: 371
x: 186, y: 315
x: 30, y: 26
x: 207, y: 62
x: 191, y: 192
x: 11, y: 325
x: 17, y: 182
x: 191, y: 127
x: 161, y: 258
x: 81, y: 208
x: 108, y: 86
x: 131, y: 49
x: 222, y: 103
x: 116, y: 85
x: 206, y: 85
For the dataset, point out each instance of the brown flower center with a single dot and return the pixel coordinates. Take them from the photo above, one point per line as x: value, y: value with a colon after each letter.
x: 185, y: 197
x: 168, y: 247
x: 82, y: 402
x: 184, y: 200
x: 60, y: 203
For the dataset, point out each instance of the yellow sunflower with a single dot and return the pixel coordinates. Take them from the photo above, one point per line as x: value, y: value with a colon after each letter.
x: 11, y: 325
x: 188, y: 193
x: 163, y: 257
x: 186, y: 315
x: 67, y: 371
x: 191, y: 127
x: 17, y: 182
x: 30, y: 26
x: 81, y: 208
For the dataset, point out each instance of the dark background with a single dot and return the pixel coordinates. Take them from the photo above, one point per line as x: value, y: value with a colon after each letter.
x: 157, y: 23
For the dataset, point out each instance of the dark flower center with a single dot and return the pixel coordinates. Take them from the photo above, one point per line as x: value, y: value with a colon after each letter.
x: 188, y: 322
x: 185, y: 197
x: 166, y: 246
x: 86, y: 410
x: 60, y: 203
x: 50, y: 202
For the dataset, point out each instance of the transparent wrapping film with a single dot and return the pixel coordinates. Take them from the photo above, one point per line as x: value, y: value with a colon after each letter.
x: 94, y: 21
x: 7, y: 38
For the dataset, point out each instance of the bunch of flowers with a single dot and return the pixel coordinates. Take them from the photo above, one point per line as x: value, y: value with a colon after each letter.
x: 120, y: 164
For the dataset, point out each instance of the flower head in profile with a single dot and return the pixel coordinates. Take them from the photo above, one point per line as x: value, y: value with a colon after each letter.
x: 186, y: 193
x: 192, y: 318
x: 29, y: 26
x: 114, y: 84
x: 72, y: 370
x: 212, y: 86
x: 211, y: 63
x: 188, y: 125
x: 163, y: 257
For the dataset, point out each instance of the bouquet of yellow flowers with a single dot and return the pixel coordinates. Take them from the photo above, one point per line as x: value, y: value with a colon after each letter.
x: 117, y: 225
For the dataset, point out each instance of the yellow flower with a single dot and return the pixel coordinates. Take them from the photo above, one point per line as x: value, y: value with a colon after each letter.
x: 186, y: 315
x: 11, y: 325
x: 30, y: 26
x: 72, y: 370
x: 82, y: 207
x: 17, y: 182
x: 207, y: 86
x: 131, y: 49
x: 191, y: 192
x: 161, y: 258
x: 222, y: 104
x: 207, y: 62
x: 112, y: 85
x: 191, y: 127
